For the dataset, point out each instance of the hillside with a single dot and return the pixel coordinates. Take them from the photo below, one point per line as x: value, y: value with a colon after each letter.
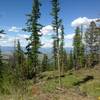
x: 76, y: 85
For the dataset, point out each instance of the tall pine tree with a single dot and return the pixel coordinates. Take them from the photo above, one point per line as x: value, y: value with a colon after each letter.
x: 55, y: 54
x: 62, y: 50
x: 34, y: 27
x: 45, y: 63
x: 1, y: 62
x: 92, y: 43
x: 20, y: 60
x: 56, y: 23
x: 71, y: 60
x: 78, y: 50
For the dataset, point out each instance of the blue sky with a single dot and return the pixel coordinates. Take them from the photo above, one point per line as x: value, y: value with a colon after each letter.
x: 12, y: 16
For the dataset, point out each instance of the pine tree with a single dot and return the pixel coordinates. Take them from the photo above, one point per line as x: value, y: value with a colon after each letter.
x: 19, y: 54
x: 1, y: 62
x: 20, y: 59
x: 2, y: 32
x: 71, y: 60
x: 55, y: 54
x: 78, y: 50
x: 65, y: 60
x: 34, y: 27
x: 91, y: 39
x: 62, y: 50
x: 45, y: 63
x: 56, y: 23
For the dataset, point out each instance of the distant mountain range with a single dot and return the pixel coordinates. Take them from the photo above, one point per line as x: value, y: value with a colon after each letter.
x: 6, y: 49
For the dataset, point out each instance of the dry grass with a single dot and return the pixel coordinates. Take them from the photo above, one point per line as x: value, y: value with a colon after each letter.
x: 46, y: 89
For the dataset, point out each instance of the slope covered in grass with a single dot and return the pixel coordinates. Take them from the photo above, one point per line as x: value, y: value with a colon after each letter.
x: 47, y: 87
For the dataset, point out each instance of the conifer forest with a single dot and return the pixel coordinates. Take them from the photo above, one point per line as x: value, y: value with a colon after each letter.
x: 46, y: 58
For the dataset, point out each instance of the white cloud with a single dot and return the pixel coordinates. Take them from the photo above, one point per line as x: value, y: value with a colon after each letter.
x: 9, y: 40
x: 22, y: 36
x: 47, y: 30
x: 82, y: 21
x: 69, y: 36
x: 46, y: 39
x: 48, y: 44
x: 69, y: 40
x: 14, y: 29
x: 68, y: 43
x: 2, y: 35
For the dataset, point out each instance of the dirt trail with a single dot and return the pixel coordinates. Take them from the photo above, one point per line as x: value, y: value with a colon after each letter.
x: 62, y: 95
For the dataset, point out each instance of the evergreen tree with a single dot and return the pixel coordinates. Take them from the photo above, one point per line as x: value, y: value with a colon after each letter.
x: 20, y: 60
x: 1, y: 62
x: 1, y: 67
x: 19, y: 54
x: 2, y: 32
x: 78, y: 50
x: 55, y: 54
x: 92, y: 43
x: 71, y: 60
x: 65, y: 60
x: 56, y: 23
x: 62, y: 50
x: 34, y: 27
x: 45, y: 63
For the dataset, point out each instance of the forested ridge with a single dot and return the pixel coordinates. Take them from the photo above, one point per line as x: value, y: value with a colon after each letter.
x: 33, y: 75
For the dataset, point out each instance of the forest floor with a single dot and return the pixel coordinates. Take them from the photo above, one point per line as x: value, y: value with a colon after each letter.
x: 83, y: 84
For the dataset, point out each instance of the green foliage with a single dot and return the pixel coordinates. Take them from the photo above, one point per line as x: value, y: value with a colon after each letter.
x: 34, y: 27
x: 55, y: 54
x: 19, y: 54
x: 45, y: 63
x: 91, y: 88
x: 1, y: 62
x: 65, y: 60
x: 63, y: 55
x: 92, y: 43
x: 20, y: 61
x: 78, y: 50
x: 1, y: 70
x: 56, y: 23
x: 70, y: 60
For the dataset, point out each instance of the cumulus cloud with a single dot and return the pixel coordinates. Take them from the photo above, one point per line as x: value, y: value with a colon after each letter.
x: 68, y: 44
x: 46, y: 39
x: 22, y: 36
x: 46, y: 30
x: 69, y: 40
x: 47, y: 44
x: 7, y: 40
x: 82, y: 21
x: 14, y: 29
x: 69, y: 36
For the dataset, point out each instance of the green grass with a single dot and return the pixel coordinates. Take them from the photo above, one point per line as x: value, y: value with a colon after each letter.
x: 91, y: 88
x: 67, y: 82
x: 49, y: 86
